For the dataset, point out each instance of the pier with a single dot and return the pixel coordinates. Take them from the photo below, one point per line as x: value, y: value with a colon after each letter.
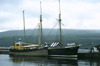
x: 89, y: 55
x: 4, y: 50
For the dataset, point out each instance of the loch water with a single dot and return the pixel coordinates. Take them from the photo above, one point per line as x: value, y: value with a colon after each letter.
x: 7, y: 60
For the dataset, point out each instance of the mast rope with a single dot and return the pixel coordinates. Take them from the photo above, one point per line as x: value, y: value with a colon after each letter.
x: 51, y: 30
x: 31, y: 35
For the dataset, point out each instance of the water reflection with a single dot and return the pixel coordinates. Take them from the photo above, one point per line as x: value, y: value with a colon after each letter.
x: 45, y: 61
x: 64, y: 60
x: 7, y: 60
x: 34, y: 61
x: 89, y: 62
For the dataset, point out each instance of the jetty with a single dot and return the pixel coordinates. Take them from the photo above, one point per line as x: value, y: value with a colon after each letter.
x: 4, y: 50
x: 89, y: 53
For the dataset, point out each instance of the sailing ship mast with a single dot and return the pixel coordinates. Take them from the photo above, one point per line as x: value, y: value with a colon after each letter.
x: 39, y: 32
x: 60, y: 25
x: 41, y: 22
x: 24, y: 25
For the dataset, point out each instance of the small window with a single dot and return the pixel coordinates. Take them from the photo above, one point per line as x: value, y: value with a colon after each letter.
x: 17, y: 44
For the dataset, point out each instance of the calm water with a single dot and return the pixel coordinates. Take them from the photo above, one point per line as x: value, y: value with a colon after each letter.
x: 6, y: 60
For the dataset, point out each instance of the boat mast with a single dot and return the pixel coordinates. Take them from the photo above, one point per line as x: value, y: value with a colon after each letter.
x: 60, y: 24
x: 39, y: 32
x: 41, y: 22
x: 24, y: 25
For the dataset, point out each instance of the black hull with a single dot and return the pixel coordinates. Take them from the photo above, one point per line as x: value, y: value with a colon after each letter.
x: 68, y: 52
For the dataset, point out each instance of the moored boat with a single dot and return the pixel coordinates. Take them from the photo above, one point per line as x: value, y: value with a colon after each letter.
x: 25, y: 49
x: 28, y: 49
x: 70, y: 50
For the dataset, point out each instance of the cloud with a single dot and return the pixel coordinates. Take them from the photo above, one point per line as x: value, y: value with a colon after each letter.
x: 80, y: 1
x: 81, y: 12
x: 75, y: 14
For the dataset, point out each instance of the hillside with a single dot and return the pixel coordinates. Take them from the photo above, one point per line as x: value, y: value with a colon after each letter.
x: 68, y: 36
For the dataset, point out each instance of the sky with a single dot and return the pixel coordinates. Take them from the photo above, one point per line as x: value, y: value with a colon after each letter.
x: 75, y: 14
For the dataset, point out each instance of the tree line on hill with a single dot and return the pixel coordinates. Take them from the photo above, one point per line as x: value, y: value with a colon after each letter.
x: 68, y: 36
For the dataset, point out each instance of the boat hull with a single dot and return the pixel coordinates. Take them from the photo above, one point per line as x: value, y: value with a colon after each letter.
x: 66, y: 52
x: 30, y: 52
x: 57, y: 52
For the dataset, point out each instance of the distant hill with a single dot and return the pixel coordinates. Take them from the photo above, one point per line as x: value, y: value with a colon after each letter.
x: 68, y: 36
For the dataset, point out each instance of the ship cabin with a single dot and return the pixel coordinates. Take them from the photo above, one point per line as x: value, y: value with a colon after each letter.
x: 23, y: 46
x: 17, y: 46
x: 70, y: 45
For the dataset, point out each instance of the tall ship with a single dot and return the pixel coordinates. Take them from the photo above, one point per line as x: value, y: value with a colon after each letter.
x: 70, y: 50
x: 20, y: 48
x: 55, y: 49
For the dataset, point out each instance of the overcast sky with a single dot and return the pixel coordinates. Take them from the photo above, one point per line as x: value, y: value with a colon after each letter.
x: 75, y: 14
